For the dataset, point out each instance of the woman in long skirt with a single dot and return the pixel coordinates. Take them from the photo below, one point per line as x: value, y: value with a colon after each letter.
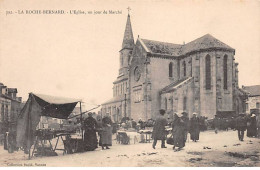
x: 194, y: 128
x: 106, y: 133
x: 178, y: 130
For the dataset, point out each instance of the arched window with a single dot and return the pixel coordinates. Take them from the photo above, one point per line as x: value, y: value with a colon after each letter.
x: 121, y: 60
x: 191, y: 67
x: 170, y: 69
x: 165, y: 102
x: 184, y: 68
x: 208, y: 73
x: 225, y: 71
x: 114, y: 92
x: 184, y: 103
x: 171, y: 103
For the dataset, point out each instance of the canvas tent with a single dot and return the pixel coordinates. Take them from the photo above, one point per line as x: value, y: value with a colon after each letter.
x: 36, y: 106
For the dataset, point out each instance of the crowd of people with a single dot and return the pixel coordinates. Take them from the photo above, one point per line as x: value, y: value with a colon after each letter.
x: 104, y: 128
x: 247, y: 123
x: 180, y: 125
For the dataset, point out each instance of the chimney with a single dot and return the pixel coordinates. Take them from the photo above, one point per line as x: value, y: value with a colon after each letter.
x: 4, y: 90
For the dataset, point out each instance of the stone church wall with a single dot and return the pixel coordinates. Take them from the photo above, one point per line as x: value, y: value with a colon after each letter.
x: 207, y: 97
x: 225, y: 97
x: 159, y: 78
x: 137, y: 87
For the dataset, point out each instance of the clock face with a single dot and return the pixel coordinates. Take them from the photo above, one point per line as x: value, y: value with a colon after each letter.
x: 137, y: 73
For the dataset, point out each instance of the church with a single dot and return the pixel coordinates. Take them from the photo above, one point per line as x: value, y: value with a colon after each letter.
x: 200, y: 76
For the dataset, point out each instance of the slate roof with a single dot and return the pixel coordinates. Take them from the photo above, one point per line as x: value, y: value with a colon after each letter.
x: 175, y: 85
x: 162, y: 47
x: 115, y: 99
x: 205, y: 42
x: 128, y: 40
x: 8, y: 97
x: 252, y: 90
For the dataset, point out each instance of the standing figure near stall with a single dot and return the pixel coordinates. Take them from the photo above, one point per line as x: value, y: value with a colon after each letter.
x: 194, y: 128
x: 241, y: 126
x: 106, y: 133
x: 258, y: 125
x: 185, y: 118
x: 90, y: 136
x: 251, y: 128
x: 99, y: 128
x: 141, y: 123
x: 216, y: 123
x: 159, y: 132
x: 178, y: 130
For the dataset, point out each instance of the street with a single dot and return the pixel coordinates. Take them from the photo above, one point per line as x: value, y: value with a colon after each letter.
x: 214, y: 150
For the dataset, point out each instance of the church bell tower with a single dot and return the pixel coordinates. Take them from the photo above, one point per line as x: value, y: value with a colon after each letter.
x: 127, y: 47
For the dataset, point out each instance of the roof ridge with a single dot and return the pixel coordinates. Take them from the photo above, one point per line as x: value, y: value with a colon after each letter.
x: 252, y: 86
x: 204, y: 36
x: 160, y: 41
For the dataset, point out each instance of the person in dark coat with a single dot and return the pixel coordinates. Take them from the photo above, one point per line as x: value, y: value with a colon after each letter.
x: 216, y: 123
x: 185, y: 118
x: 258, y: 125
x: 159, y: 132
x: 178, y: 130
x: 106, y: 133
x: 90, y: 136
x: 241, y: 126
x: 232, y: 123
x: 251, y: 128
x: 141, y: 123
x: 194, y: 128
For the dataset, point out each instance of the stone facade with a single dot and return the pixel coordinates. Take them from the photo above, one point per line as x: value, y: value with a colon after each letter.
x: 10, y: 107
x: 253, y: 100
x: 200, y: 76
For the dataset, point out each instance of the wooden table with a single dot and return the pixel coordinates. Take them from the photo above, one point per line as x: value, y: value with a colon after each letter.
x: 147, y: 135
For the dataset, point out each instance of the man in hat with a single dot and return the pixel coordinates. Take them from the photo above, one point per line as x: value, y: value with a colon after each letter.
x: 159, y: 132
x: 194, y: 128
x: 241, y: 126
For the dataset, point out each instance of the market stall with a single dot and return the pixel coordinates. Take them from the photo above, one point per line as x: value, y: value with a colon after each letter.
x: 39, y: 105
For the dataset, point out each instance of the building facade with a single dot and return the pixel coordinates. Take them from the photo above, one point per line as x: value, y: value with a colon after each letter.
x: 10, y: 107
x: 253, y: 101
x: 200, y: 76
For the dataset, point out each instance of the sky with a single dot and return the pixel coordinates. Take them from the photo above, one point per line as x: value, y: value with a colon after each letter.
x: 77, y: 56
